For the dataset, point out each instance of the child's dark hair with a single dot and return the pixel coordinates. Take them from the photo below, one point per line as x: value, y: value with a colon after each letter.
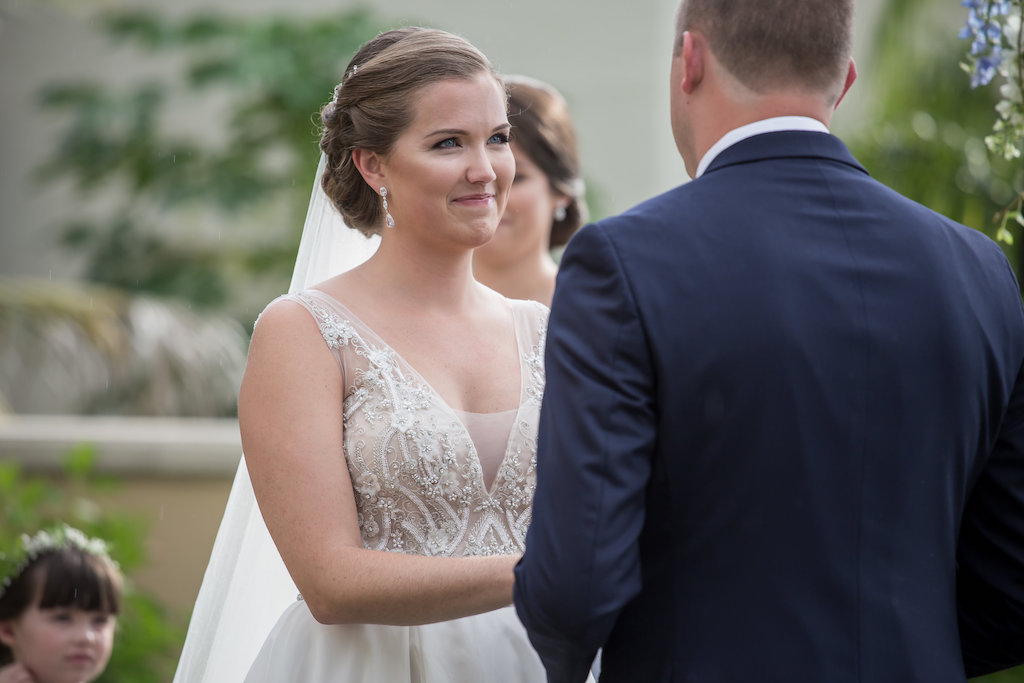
x: 68, y: 575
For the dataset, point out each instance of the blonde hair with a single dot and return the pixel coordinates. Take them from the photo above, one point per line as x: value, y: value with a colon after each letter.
x: 374, y: 104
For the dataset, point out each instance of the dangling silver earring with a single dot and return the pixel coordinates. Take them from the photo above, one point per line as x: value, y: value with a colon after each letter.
x: 389, y: 220
x: 559, y: 214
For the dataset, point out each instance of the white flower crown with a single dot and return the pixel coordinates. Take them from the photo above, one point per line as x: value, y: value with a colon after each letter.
x: 42, y: 542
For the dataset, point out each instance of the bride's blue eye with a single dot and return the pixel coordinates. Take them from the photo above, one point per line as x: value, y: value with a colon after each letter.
x: 447, y: 143
x: 499, y: 139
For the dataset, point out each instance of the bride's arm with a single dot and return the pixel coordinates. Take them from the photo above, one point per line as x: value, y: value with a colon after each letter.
x: 289, y: 410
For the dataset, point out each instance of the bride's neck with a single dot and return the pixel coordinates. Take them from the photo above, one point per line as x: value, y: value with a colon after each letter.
x: 420, y: 278
x: 532, y: 278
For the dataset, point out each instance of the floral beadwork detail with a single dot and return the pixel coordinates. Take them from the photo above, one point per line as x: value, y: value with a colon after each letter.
x: 534, y: 362
x: 416, y: 478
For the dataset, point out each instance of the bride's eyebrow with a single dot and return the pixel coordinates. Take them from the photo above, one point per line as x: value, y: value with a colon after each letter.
x: 446, y: 131
x: 504, y: 125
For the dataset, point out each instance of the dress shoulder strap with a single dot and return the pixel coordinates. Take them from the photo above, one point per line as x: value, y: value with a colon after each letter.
x: 531, y: 320
x: 336, y: 331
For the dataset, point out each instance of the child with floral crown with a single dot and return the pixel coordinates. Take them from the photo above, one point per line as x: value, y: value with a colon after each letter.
x: 60, y: 594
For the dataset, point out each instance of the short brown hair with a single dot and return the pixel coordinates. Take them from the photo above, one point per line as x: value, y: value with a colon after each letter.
x: 543, y: 130
x: 373, y: 105
x: 768, y: 44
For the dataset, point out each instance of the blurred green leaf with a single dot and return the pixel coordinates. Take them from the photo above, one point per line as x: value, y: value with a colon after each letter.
x: 81, y: 460
x: 928, y: 142
x: 268, y: 79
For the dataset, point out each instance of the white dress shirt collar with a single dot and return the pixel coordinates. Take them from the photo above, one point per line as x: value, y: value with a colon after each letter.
x: 772, y: 125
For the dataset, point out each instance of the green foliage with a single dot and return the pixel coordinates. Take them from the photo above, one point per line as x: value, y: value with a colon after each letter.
x: 929, y: 143
x: 266, y: 79
x: 1010, y: 676
x: 147, y: 642
x: 997, y: 52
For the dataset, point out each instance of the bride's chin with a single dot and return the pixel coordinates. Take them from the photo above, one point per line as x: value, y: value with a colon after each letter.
x: 482, y: 235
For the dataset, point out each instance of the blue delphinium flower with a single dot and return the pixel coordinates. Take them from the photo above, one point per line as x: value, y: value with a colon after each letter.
x: 986, y: 68
x: 985, y: 31
x: 995, y: 30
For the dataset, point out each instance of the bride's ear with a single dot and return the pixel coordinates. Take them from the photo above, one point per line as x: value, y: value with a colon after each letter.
x: 371, y: 166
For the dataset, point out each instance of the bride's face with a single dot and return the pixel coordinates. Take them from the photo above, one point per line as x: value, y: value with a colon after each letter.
x: 449, y: 173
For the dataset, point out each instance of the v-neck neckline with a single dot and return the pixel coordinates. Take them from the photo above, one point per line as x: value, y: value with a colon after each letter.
x: 498, y: 477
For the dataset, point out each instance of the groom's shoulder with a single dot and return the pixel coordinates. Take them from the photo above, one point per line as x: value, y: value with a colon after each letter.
x: 633, y: 236
x: 667, y: 202
x: 936, y: 226
x: 664, y: 211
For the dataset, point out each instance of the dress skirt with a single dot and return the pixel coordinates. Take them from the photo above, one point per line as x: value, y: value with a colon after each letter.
x: 489, y: 647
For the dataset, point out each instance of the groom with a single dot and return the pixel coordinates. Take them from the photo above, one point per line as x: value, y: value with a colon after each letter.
x: 783, y: 433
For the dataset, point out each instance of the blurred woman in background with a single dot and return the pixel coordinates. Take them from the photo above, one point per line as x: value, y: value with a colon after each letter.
x: 545, y: 205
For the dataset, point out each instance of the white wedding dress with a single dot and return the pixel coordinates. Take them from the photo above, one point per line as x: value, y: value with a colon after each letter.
x: 427, y: 481
x: 428, y: 495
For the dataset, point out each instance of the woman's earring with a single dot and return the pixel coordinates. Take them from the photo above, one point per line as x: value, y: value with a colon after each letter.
x: 559, y: 214
x: 389, y: 220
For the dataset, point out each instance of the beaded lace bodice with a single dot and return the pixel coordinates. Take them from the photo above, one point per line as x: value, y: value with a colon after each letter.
x: 416, y: 476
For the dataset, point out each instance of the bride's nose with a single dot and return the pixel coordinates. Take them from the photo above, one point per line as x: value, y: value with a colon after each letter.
x: 481, y: 168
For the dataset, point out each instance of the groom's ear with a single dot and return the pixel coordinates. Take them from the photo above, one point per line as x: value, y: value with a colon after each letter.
x: 851, y: 76
x: 371, y: 166
x: 692, y: 54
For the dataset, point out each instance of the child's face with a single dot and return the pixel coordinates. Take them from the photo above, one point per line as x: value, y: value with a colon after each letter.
x: 62, y: 644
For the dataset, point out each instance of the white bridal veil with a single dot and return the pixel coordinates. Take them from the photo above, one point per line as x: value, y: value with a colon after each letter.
x: 246, y: 586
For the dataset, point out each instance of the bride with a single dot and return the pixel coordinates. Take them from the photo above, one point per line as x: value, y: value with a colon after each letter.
x: 389, y: 413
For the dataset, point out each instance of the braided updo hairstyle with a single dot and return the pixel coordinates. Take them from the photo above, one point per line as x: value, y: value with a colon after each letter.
x: 374, y: 104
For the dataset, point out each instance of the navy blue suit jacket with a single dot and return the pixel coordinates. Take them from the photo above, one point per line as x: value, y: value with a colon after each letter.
x: 782, y: 437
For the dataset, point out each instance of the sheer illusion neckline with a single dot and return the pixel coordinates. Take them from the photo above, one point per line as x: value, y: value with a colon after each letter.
x: 489, y: 490
x: 391, y: 349
x: 490, y: 434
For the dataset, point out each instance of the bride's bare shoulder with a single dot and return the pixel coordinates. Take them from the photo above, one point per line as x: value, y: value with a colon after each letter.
x: 285, y: 309
x: 286, y: 322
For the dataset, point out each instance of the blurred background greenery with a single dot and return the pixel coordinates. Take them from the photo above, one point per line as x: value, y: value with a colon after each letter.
x: 924, y: 132
x: 177, y: 235
x: 273, y: 76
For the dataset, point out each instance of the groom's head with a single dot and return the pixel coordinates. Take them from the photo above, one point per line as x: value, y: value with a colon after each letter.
x: 738, y: 61
x: 775, y: 44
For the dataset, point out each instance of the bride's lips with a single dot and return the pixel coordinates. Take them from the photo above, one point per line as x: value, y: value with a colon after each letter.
x: 483, y: 199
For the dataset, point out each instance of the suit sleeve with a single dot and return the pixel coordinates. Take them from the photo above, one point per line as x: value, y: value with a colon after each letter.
x: 596, y: 440
x: 990, y: 554
x: 990, y: 551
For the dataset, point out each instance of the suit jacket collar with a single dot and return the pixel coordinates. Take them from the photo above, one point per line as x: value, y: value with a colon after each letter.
x: 785, y: 144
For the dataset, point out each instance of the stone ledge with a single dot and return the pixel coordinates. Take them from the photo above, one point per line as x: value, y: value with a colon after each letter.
x: 140, y: 446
